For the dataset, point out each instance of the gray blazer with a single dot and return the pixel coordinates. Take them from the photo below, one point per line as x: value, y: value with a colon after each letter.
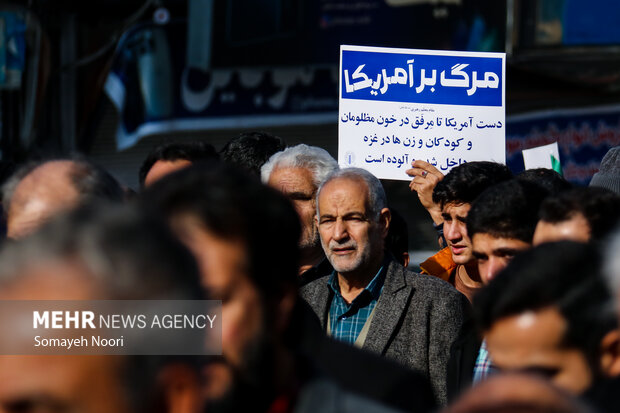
x: 417, y: 318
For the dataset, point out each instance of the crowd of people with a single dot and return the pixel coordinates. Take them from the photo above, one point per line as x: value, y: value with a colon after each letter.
x: 516, y: 312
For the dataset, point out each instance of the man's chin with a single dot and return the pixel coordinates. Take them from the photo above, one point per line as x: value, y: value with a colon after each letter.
x: 343, y: 267
x: 251, y: 384
x: 462, y: 258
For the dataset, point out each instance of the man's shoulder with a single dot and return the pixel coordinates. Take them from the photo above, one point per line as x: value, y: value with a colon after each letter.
x: 424, y: 284
x: 316, y: 272
x: 316, y: 287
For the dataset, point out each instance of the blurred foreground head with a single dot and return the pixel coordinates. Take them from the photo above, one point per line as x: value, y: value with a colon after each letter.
x: 38, y: 191
x: 549, y: 312
x: 98, y: 253
x: 245, y: 238
x: 516, y: 393
x: 611, y: 266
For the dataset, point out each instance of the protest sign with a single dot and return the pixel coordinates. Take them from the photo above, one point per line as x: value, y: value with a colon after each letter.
x: 399, y: 105
x: 546, y: 156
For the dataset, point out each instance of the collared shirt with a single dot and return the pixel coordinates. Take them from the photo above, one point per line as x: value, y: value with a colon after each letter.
x: 347, y: 320
x: 484, y: 365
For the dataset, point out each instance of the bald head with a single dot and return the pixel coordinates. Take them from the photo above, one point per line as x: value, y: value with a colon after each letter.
x: 38, y: 192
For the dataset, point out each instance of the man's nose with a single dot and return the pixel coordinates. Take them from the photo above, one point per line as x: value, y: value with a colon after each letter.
x: 494, y: 267
x: 451, y: 230
x: 340, y: 230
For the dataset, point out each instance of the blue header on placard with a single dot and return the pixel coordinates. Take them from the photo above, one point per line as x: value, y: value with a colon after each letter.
x: 420, y: 78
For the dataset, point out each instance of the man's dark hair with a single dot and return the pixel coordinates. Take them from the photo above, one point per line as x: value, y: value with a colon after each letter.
x: 548, y: 179
x: 233, y: 206
x: 174, y: 151
x: 91, y: 181
x: 599, y: 206
x: 464, y: 183
x: 566, y: 275
x: 506, y: 210
x: 94, y: 182
x: 250, y: 150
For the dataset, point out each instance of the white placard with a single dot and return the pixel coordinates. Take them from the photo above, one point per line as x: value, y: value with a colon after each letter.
x: 399, y: 105
x: 540, y: 157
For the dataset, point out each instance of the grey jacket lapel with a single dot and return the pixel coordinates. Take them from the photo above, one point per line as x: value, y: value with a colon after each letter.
x: 322, y: 302
x: 391, y: 307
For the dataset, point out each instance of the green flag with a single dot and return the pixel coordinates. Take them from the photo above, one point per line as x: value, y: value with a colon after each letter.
x: 555, y: 165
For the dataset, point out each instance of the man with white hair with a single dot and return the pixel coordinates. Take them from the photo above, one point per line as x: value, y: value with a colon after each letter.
x: 370, y: 300
x: 298, y: 172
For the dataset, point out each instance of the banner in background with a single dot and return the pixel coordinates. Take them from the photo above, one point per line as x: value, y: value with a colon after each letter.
x: 154, y: 92
x: 584, y: 136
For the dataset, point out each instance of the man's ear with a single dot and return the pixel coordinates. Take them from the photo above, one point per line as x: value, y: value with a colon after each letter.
x: 610, y: 354
x: 406, y: 259
x: 385, y: 217
x: 180, y: 386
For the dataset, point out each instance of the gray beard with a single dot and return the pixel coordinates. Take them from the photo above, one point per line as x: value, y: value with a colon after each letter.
x: 311, y: 241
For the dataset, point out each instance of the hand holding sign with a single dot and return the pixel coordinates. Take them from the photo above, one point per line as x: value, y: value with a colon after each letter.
x: 425, y: 179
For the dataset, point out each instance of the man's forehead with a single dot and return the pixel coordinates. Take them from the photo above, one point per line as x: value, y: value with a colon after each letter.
x: 289, y: 178
x: 456, y: 207
x: 348, y: 184
x: 489, y: 241
x: 345, y: 189
x: 527, y: 323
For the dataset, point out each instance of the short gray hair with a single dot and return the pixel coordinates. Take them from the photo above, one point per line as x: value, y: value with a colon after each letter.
x: 316, y: 159
x: 376, y: 194
x: 611, y: 265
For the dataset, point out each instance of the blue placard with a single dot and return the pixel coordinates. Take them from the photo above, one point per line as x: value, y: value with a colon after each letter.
x: 422, y: 78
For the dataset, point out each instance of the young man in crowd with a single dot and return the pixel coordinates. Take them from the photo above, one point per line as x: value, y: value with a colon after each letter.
x: 549, y: 312
x: 449, y: 206
x: 501, y: 223
x: 580, y: 214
